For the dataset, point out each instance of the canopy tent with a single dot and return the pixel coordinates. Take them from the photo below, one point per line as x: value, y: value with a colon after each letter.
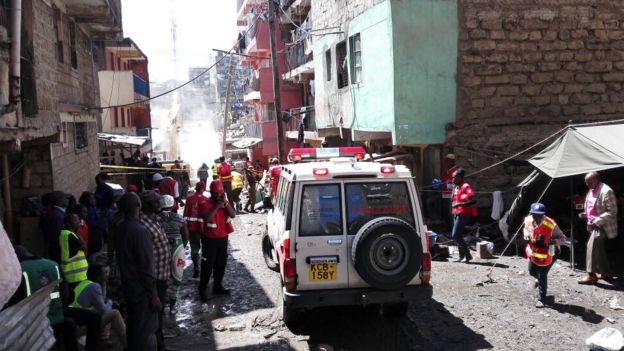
x: 580, y: 149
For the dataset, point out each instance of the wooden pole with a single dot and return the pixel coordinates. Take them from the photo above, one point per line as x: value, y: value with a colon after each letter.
x: 276, y: 83
x: 227, y: 106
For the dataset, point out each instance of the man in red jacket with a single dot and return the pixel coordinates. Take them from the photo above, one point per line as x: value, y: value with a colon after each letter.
x: 464, y: 210
x: 218, y: 226
x: 169, y: 186
x: 225, y: 176
x: 196, y: 205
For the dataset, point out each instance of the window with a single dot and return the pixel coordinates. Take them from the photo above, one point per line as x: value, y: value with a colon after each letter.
x: 328, y: 69
x: 72, y: 45
x: 116, y: 117
x: 56, y: 20
x: 123, y: 117
x: 356, y: 59
x: 80, y: 130
x: 321, y: 213
x: 366, y: 201
x: 342, y: 71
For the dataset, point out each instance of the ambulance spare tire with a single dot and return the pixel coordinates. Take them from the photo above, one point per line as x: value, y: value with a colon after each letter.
x: 387, y: 253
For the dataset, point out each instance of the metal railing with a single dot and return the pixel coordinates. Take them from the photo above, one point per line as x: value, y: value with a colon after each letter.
x: 299, y: 51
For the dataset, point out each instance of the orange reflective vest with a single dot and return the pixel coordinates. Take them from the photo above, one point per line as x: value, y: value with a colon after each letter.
x: 539, y: 250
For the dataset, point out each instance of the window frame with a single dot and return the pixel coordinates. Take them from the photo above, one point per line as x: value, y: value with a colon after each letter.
x: 328, y: 65
x: 340, y: 212
x: 85, y: 137
x: 342, y: 82
x: 355, y: 67
x: 73, y: 51
x: 412, y: 211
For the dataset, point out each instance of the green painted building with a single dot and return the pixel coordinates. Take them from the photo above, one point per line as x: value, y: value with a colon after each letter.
x: 388, y: 74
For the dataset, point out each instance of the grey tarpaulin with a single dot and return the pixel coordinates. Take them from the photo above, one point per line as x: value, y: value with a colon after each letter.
x: 580, y: 149
x: 583, y: 149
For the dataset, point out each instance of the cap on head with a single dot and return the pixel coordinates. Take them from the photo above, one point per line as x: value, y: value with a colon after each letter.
x: 157, y: 177
x: 131, y: 188
x: 275, y: 161
x: 451, y: 157
x: 216, y: 187
x: 538, y: 209
x: 200, y: 187
x: 167, y: 201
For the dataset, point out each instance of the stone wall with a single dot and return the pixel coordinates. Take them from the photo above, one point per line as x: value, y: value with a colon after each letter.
x: 74, y: 170
x: 338, y: 12
x: 525, y: 69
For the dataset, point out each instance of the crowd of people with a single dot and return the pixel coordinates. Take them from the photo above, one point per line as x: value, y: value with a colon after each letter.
x: 543, y: 235
x: 120, y: 259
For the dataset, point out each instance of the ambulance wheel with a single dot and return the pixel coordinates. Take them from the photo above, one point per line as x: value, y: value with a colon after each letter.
x: 269, y: 253
x: 387, y: 253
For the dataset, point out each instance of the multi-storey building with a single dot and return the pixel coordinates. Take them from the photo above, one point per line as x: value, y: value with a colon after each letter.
x: 252, y: 17
x: 124, y: 80
x: 48, y: 129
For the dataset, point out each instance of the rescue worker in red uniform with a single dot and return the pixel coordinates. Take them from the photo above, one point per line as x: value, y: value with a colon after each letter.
x: 218, y: 225
x: 274, y: 172
x: 196, y: 204
x: 464, y: 210
x: 224, y: 169
x: 169, y: 186
x: 543, y: 234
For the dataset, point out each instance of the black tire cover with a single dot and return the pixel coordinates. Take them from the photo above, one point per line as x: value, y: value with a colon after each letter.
x: 387, y: 253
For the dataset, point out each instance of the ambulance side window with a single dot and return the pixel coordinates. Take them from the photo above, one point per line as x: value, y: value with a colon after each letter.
x: 288, y: 204
x: 321, y: 214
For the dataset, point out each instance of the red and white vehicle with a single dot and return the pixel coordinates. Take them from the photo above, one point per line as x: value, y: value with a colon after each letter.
x: 344, y: 232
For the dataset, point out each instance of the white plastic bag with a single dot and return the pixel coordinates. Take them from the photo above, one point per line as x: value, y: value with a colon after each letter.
x: 606, y: 339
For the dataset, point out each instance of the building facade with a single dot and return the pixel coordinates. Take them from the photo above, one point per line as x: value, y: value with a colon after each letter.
x: 385, y: 75
x: 260, y: 96
x: 49, y: 131
x: 525, y: 70
x: 124, y: 80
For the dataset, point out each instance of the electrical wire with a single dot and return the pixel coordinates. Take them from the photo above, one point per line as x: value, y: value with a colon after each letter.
x: 181, y: 85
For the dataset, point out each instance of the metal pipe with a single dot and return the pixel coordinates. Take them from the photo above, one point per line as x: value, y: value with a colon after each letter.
x: 8, y: 210
x: 16, y: 48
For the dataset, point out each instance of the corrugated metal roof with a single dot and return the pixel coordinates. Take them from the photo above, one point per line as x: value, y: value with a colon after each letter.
x: 123, y: 139
x: 25, y: 325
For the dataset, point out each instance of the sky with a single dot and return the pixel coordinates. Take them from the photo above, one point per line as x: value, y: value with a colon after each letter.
x: 202, y: 25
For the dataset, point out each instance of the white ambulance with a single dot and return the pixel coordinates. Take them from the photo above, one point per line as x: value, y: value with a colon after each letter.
x: 347, y: 232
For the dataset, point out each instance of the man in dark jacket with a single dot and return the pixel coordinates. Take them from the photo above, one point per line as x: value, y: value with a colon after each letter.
x: 135, y: 255
x: 52, y: 222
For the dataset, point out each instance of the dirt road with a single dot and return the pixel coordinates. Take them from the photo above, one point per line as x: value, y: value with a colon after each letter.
x: 466, y: 313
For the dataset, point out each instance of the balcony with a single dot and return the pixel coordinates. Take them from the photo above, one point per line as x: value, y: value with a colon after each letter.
x: 99, y: 17
x: 257, y: 38
x: 140, y: 87
x: 299, y: 65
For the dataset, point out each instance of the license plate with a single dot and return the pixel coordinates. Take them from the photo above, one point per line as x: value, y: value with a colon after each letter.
x: 322, y: 271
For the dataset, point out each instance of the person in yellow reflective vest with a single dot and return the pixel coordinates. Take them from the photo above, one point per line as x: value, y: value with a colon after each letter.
x: 543, y: 235
x: 238, y: 183
x: 73, y: 260
x: 90, y: 294
x: 215, y: 169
